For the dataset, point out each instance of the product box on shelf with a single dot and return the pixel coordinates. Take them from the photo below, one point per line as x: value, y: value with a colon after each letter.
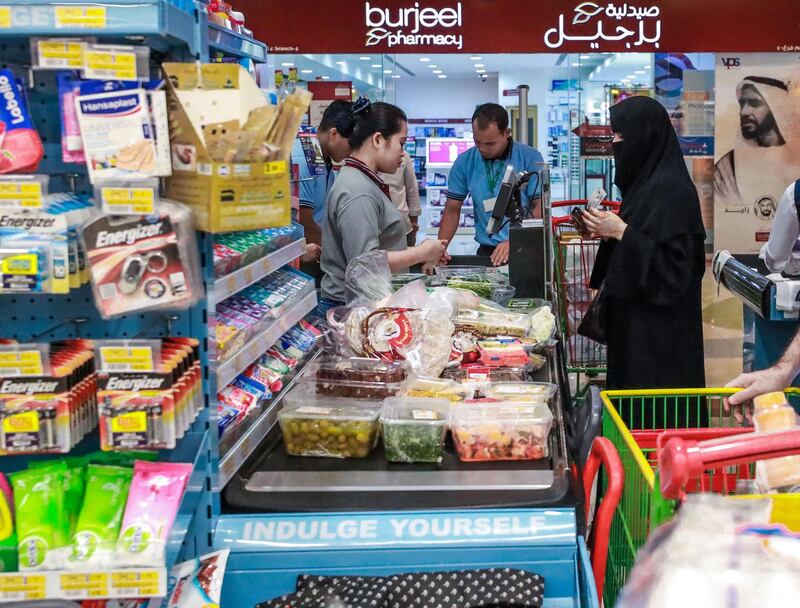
x: 225, y: 196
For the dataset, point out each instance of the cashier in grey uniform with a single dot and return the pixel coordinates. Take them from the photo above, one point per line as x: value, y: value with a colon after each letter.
x: 359, y: 215
x: 782, y: 251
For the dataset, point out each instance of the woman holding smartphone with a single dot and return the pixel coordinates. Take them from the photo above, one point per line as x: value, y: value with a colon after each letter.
x: 652, y: 259
x: 360, y: 215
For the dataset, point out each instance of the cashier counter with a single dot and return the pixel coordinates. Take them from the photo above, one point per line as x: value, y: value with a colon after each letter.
x: 771, y: 306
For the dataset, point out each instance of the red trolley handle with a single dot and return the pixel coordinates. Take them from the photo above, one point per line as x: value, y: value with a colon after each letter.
x: 682, y: 460
x: 603, y: 452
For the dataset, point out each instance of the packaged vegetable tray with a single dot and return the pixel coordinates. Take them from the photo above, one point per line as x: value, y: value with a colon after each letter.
x: 539, y: 392
x: 414, y: 429
x: 437, y: 388
x: 356, y: 377
x: 486, y: 431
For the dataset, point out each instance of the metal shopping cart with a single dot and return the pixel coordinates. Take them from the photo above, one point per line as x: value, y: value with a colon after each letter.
x: 642, y: 506
x: 573, y: 261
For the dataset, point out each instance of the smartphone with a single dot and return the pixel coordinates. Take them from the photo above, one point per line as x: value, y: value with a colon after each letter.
x: 597, y: 197
x: 577, y: 217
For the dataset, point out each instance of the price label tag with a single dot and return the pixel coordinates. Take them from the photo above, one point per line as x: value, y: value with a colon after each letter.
x: 5, y: 17
x: 88, y: 585
x: 140, y: 583
x: 128, y: 201
x: 60, y: 54
x: 265, y: 264
x: 80, y: 16
x: 274, y: 167
x: 231, y: 283
x: 24, y: 422
x: 116, y: 65
x: 21, y: 587
x: 130, y: 422
x: 20, y: 195
x: 248, y: 274
x: 21, y: 363
x: 126, y: 359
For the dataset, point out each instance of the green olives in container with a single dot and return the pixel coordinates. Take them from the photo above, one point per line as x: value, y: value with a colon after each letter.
x: 330, y: 427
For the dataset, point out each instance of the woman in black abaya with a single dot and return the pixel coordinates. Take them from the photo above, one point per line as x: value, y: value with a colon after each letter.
x: 650, y: 265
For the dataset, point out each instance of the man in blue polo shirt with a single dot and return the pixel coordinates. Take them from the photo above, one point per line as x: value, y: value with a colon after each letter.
x: 479, y: 172
x: 314, y: 188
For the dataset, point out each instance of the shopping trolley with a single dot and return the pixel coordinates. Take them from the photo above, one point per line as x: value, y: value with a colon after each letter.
x: 642, y: 506
x: 573, y: 261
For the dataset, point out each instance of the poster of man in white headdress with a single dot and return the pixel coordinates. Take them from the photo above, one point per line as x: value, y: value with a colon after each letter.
x: 757, y: 144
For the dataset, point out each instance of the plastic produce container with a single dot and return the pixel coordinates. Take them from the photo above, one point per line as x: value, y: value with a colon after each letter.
x: 401, y: 280
x: 539, y: 392
x: 441, y: 388
x: 355, y: 377
x: 414, y: 429
x: 328, y: 426
x: 502, y: 294
x: 501, y: 431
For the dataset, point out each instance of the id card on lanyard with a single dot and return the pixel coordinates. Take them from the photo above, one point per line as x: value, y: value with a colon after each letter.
x: 492, y: 177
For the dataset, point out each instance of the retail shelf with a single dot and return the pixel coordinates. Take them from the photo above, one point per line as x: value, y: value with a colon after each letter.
x: 227, y: 372
x: 228, y: 41
x: 238, y: 453
x: 174, y: 20
x: 236, y: 281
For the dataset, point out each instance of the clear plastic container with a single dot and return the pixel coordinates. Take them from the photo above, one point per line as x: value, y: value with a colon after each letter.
x: 502, y: 294
x: 506, y: 431
x: 486, y: 323
x: 414, y: 429
x: 437, y: 388
x: 330, y: 427
x: 401, y: 280
x: 355, y: 377
x: 446, y: 272
x: 538, y: 392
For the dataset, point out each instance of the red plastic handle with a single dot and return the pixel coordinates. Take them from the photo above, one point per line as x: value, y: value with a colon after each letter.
x: 682, y: 460
x: 603, y: 452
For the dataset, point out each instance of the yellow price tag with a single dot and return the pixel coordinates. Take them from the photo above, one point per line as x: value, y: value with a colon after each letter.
x: 109, y: 64
x: 129, y: 422
x: 24, y: 422
x: 80, y: 16
x: 231, y: 282
x: 128, y: 201
x: 277, y: 166
x: 126, y: 359
x: 17, y: 586
x: 22, y: 264
x: 60, y: 54
x: 248, y: 274
x: 94, y: 584
x: 5, y: 17
x: 20, y: 194
x: 137, y: 578
x: 21, y: 363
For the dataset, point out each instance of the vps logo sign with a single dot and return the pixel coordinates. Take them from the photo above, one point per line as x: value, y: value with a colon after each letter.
x: 413, y: 26
x: 731, y: 62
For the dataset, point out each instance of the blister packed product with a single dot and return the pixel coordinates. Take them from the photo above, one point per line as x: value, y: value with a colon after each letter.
x: 142, y: 263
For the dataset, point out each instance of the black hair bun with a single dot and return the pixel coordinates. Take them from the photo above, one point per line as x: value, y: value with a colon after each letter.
x: 362, y: 105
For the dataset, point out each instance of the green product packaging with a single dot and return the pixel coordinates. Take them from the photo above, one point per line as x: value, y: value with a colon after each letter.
x: 8, y: 554
x: 119, y: 459
x: 74, y: 482
x: 40, y: 515
x: 101, y: 516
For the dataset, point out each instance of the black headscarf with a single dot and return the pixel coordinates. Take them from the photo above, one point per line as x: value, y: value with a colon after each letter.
x: 659, y: 199
x: 658, y: 196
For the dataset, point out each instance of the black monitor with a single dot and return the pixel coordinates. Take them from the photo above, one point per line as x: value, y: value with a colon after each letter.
x: 508, y: 205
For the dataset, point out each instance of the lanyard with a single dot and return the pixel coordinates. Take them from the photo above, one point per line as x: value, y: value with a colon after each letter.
x: 492, y: 174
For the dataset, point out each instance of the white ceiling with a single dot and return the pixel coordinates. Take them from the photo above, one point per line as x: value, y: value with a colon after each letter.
x: 370, y: 70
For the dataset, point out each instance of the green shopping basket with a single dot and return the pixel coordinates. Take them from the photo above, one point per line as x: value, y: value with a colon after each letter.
x: 697, y: 414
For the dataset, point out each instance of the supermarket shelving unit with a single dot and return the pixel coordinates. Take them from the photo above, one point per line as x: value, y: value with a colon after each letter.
x: 176, y: 30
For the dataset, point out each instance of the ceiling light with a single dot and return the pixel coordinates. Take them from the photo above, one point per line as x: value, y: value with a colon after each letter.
x: 437, y: 72
x: 341, y: 63
x: 377, y: 65
x: 476, y: 58
x: 639, y: 72
x: 630, y: 76
x: 442, y: 75
x: 432, y: 65
x: 481, y: 71
x: 307, y: 71
x: 576, y: 65
x: 288, y: 64
x: 424, y: 59
x: 396, y: 76
x: 479, y: 65
x: 387, y: 71
x: 365, y: 58
x: 326, y: 78
x: 586, y: 56
x: 648, y: 67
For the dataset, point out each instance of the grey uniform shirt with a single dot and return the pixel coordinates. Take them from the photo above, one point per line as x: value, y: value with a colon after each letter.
x: 359, y: 218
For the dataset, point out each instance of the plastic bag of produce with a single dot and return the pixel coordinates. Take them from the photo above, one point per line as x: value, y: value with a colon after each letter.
x: 368, y: 280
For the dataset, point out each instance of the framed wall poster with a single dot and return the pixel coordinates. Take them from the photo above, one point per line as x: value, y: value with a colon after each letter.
x: 757, y: 145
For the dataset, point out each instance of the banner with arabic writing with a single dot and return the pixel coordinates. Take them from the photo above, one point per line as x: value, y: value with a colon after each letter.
x: 757, y: 145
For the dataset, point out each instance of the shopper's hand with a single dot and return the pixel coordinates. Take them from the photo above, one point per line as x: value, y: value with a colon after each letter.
x: 500, y: 255
x: 433, y: 250
x: 312, y: 254
x: 604, y: 224
x: 754, y: 384
x: 429, y: 268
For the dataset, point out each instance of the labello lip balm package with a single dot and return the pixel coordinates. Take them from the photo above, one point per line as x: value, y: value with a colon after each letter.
x: 153, y: 502
x: 21, y: 149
